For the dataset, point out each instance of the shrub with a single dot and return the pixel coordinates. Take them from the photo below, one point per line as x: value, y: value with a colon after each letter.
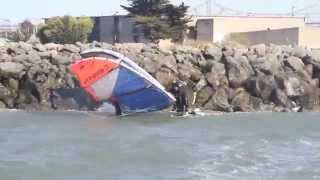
x: 25, y: 30
x: 66, y: 30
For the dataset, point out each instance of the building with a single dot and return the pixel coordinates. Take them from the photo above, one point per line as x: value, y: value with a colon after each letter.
x: 216, y: 28
x: 251, y: 30
x: 116, y: 29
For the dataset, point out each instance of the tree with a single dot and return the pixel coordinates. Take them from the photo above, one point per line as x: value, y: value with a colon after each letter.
x: 159, y: 19
x: 177, y: 19
x: 25, y: 30
x: 66, y: 30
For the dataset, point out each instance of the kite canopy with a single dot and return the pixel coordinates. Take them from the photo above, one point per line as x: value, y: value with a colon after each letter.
x: 109, y: 76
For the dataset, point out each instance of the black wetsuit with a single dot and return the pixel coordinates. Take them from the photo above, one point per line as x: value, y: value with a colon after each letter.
x: 175, y: 91
x: 180, y: 93
x: 182, y: 100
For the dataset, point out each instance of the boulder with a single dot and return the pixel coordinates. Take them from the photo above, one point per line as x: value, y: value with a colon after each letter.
x: 201, y: 84
x: 267, y: 65
x: 149, y: 65
x: 214, y: 53
x: 11, y: 69
x: 256, y: 103
x: 71, y: 48
x: 280, y: 98
x: 241, y: 101
x: 168, y: 61
x: 261, y: 86
x: 53, y: 46
x: 5, y: 57
x: 299, y: 52
x: 259, y: 49
x: 25, y: 46
x: 219, y: 101
x: 5, y: 95
x: 227, y: 51
x: 2, y: 105
x: 25, y: 59
x: 14, y: 84
x: 14, y: 49
x: 217, y: 76
x: 293, y: 86
x: 61, y: 60
x: 188, y: 71
x: 295, y: 63
x: 204, y: 95
x: 39, y: 47
x: 165, y: 77
x: 238, y: 70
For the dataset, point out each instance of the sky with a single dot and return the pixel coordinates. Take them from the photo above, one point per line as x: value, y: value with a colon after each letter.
x: 18, y: 10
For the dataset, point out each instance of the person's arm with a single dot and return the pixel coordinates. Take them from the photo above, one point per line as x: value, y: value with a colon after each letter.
x: 195, y: 94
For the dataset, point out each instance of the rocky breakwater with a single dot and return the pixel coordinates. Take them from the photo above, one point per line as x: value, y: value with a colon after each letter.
x: 227, y: 77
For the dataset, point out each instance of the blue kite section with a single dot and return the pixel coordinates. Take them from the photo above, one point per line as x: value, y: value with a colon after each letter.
x: 135, y: 94
x: 146, y: 100
x: 128, y: 82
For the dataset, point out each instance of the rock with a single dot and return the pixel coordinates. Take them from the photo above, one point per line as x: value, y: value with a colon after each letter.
x: 299, y: 52
x: 261, y: 86
x: 227, y: 51
x: 295, y: 63
x: 53, y: 46
x: 280, y: 98
x: 260, y: 49
x: 45, y: 55
x: 14, y: 49
x: 165, y: 77
x: 71, y: 48
x: 268, y: 65
x: 188, y: 71
x: 14, y: 84
x: 11, y: 69
x: 256, y: 103
x: 204, y: 95
x: 39, y: 47
x: 214, y: 53
x: 219, y: 101
x: 5, y: 95
x: 217, y: 76
x: 201, y: 84
x: 5, y: 58
x: 150, y: 66
x: 293, y: 87
x: 25, y: 59
x: 241, y: 101
x: 2, y: 105
x: 238, y: 70
x: 58, y: 59
x: 25, y: 46
x: 169, y: 62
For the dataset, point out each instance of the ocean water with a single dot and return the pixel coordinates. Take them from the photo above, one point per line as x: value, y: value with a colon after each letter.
x: 83, y: 146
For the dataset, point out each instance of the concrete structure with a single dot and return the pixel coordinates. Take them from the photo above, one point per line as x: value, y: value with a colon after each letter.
x: 116, y: 29
x: 254, y: 30
x: 300, y: 36
x: 214, y: 29
x: 289, y: 36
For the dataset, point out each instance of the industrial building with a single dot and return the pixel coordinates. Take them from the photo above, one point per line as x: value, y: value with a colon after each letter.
x: 251, y: 30
x: 116, y: 29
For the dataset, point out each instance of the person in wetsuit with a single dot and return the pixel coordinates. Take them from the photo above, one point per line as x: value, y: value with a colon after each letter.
x: 179, y: 91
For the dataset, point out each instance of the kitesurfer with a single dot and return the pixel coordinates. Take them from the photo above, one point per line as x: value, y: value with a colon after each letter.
x: 117, y: 108
x: 179, y: 90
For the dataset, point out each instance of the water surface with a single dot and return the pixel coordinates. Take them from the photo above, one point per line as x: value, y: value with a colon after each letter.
x: 82, y: 146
